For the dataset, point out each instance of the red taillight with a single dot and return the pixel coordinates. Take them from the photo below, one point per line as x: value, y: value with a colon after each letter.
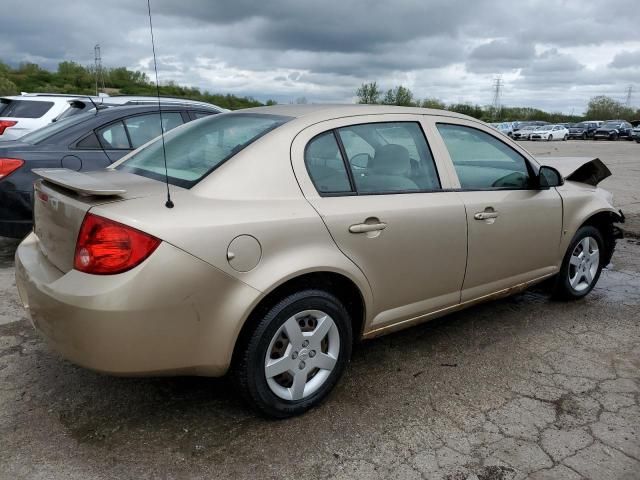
x: 105, y: 247
x: 4, y: 124
x: 9, y: 165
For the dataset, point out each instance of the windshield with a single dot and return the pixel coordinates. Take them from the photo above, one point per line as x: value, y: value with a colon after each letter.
x: 196, y: 149
x: 48, y: 131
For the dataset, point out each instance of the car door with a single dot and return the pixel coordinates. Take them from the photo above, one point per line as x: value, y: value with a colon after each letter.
x: 514, y: 227
x: 383, y: 197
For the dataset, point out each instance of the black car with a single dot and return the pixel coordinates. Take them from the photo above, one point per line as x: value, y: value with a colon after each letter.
x: 87, y: 141
x: 583, y: 130
x: 613, y: 129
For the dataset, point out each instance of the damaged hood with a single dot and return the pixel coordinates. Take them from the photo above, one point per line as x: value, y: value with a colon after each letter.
x: 578, y: 169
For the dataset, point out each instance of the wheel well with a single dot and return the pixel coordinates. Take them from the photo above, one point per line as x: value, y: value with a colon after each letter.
x: 604, y: 221
x: 339, y: 285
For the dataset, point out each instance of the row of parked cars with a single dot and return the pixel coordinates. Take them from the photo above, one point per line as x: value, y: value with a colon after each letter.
x: 593, y: 129
x: 74, y: 132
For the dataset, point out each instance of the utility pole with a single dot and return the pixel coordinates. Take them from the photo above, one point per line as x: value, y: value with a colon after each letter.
x: 497, y: 87
x: 627, y: 102
x: 98, y: 67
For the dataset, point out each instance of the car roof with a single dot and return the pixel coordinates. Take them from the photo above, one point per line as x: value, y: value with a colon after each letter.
x: 328, y: 111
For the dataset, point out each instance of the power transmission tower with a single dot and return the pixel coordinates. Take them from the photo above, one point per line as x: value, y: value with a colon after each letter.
x: 627, y: 102
x: 98, y: 67
x: 497, y: 87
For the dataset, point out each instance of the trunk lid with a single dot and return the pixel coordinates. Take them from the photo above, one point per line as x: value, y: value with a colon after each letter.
x: 63, y: 197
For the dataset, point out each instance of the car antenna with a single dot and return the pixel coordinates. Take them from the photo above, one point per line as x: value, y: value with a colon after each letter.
x: 168, y: 203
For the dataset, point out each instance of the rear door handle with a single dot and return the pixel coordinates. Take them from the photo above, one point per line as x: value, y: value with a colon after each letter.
x: 367, y: 227
x: 485, y: 215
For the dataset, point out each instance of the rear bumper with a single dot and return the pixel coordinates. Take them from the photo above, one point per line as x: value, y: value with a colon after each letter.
x: 173, y: 314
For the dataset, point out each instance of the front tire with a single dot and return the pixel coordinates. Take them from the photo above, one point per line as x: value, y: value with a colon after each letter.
x: 614, y: 137
x: 295, y: 354
x: 581, y: 266
x: 549, y: 138
x: 584, y: 136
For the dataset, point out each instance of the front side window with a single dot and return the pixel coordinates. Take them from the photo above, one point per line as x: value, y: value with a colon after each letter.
x: 143, y: 128
x: 482, y: 161
x: 198, y: 148
x: 389, y: 157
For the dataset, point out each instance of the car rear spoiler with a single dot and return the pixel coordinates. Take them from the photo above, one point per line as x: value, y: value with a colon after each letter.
x: 578, y: 169
x: 78, y: 182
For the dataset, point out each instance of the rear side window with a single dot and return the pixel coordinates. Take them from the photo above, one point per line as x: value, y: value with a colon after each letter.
x: 198, y: 148
x: 197, y: 115
x: 143, y: 128
x: 326, y: 166
x: 389, y: 157
x: 114, y: 136
x: 482, y: 161
x: 26, y: 108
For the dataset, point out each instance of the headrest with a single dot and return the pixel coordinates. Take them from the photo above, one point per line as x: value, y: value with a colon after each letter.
x: 391, y: 159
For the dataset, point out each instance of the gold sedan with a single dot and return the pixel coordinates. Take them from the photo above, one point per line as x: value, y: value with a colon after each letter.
x: 295, y: 231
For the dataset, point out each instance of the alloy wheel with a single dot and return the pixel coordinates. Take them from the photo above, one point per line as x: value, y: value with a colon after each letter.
x: 584, y: 263
x: 302, y: 354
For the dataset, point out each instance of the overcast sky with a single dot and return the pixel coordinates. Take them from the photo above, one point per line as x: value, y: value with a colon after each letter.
x: 552, y: 54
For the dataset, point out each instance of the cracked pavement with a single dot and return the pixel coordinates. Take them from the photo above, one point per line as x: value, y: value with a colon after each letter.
x: 524, y: 387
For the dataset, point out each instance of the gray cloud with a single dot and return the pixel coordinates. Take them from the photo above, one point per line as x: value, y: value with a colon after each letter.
x: 285, y: 49
x: 626, y: 60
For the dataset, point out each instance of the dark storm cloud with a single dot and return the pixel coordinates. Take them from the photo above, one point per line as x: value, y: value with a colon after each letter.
x: 324, y: 50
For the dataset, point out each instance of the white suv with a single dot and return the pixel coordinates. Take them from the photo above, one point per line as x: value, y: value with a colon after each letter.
x: 22, y: 114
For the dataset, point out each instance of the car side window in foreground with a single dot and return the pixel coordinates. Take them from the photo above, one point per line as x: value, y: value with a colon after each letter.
x: 143, y: 128
x: 482, y: 161
x: 389, y: 158
x: 325, y: 165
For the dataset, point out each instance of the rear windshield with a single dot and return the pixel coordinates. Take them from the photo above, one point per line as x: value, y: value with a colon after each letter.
x: 196, y: 149
x: 42, y: 134
x: 24, y: 108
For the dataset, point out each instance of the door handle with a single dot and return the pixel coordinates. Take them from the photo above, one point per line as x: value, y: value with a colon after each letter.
x: 367, y: 227
x: 485, y: 215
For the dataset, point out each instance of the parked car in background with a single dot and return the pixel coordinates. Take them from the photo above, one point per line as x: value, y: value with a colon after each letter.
x: 296, y: 230
x: 22, y: 114
x: 81, y: 105
x: 87, y: 141
x: 550, y: 133
x: 613, y: 130
x: 503, y: 127
x: 583, y: 130
x: 525, y: 132
x: 635, y: 133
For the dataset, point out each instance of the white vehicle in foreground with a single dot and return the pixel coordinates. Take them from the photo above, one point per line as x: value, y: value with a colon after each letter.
x: 550, y: 133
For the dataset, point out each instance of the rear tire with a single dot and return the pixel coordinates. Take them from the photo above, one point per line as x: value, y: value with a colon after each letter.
x: 566, y: 137
x: 581, y: 266
x: 283, y: 339
x: 584, y: 136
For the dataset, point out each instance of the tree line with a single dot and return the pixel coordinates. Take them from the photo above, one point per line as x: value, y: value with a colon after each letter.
x: 71, y: 77
x: 598, y: 108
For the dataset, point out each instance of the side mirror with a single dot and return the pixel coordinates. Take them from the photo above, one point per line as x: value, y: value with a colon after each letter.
x: 549, y: 177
